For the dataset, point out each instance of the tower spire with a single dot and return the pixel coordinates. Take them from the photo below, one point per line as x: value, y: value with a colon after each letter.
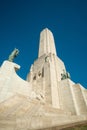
x: 46, y: 44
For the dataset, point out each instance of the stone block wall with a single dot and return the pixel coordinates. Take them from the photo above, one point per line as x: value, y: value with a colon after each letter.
x: 67, y: 96
x: 81, y: 105
x: 11, y: 83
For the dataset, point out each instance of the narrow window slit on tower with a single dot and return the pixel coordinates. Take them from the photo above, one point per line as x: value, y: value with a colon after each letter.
x: 34, y: 78
x: 39, y: 74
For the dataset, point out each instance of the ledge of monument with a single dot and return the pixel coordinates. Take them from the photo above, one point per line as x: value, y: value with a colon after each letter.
x: 67, y: 80
x: 10, y: 64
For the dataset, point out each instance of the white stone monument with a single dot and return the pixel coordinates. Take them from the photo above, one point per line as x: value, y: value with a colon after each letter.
x: 48, y: 99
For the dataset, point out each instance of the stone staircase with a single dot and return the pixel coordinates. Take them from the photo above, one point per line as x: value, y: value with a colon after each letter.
x: 22, y: 113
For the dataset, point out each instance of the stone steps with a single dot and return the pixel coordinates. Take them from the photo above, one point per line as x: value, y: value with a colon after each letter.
x: 19, y: 106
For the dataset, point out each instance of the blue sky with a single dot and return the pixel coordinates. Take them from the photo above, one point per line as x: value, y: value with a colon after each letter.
x: 21, y: 22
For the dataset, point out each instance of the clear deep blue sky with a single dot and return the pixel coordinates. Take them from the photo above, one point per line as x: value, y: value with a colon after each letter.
x: 22, y: 20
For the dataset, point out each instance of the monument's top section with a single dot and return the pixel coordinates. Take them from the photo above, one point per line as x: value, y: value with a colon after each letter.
x: 46, y: 44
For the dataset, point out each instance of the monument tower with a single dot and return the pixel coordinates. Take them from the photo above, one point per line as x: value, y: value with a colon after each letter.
x: 47, y: 69
x: 50, y: 79
x: 47, y: 99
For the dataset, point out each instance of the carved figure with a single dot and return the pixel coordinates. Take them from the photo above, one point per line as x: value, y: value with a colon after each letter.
x: 14, y: 54
x: 65, y: 75
x: 47, y: 59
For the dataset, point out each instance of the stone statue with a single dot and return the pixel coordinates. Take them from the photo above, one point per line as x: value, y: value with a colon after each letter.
x: 47, y: 59
x: 65, y: 75
x: 14, y: 53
